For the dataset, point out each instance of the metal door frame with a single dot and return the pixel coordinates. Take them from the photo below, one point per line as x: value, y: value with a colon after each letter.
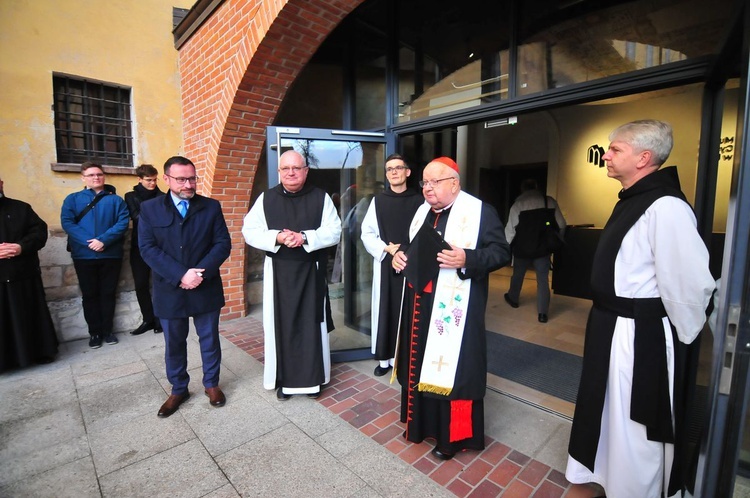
x: 274, y: 135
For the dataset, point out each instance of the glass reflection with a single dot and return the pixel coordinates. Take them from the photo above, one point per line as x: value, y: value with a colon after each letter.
x: 563, y: 46
x: 457, y: 56
x: 453, y: 55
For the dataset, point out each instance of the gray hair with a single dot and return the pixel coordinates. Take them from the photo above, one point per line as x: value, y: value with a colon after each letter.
x: 647, y: 134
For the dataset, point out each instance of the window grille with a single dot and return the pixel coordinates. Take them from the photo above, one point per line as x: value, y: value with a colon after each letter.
x: 92, y: 122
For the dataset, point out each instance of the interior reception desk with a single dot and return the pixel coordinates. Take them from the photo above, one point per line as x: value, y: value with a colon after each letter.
x: 571, y: 270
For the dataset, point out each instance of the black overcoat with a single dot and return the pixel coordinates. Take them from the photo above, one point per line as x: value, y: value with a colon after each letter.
x: 171, y: 245
x: 19, y: 224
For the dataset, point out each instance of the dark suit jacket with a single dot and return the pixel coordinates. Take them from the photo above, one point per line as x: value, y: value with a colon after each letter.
x: 171, y: 245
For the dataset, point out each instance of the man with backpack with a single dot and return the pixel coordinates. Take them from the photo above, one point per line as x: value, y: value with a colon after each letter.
x: 534, y: 231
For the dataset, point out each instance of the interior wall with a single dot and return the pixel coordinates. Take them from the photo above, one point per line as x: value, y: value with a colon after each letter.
x: 562, y: 137
x: 585, y: 190
x: 726, y: 160
x: 325, y: 82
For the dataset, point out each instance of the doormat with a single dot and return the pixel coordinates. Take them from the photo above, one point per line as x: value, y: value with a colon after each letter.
x: 544, y: 369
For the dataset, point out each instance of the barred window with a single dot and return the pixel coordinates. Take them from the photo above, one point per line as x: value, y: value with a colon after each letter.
x: 92, y: 122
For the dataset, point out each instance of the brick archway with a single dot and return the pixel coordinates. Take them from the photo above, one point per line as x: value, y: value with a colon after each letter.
x: 235, y: 71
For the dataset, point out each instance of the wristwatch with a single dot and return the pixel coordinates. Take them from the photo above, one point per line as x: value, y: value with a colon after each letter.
x: 304, y: 238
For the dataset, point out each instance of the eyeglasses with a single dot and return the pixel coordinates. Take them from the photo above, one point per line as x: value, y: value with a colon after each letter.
x: 182, y: 181
x: 288, y: 169
x: 434, y: 183
x: 94, y: 175
x: 394, y: 168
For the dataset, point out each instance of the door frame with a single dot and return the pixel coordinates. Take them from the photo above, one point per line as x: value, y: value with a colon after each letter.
x: 274, y: 136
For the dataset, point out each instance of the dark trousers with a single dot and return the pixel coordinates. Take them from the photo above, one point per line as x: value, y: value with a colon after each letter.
x: 142, y: 280
x: 541, y: 267
x: 175, y: 354
x: 97, y: 279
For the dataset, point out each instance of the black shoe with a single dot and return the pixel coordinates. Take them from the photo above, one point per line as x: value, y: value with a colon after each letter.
x: 542, y: 317
x: 442, y: 455
x: 95, y: 341
x: 281, y: 396
x: 142, y: 328
x: 314, y: 395
x: 508, y: 300
x: 380, y: 371
x: 157, y: 327
x: 110, y: 339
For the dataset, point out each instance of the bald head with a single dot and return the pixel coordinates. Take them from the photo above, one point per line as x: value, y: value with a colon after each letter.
x: 291, y: 155
x: 292, y: 170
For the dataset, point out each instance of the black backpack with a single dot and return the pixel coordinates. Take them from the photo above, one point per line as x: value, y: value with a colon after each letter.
x: 537, y: 233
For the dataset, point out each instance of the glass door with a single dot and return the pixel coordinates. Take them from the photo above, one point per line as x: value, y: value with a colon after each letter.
x: 348, y: 165
x: 724, y: 464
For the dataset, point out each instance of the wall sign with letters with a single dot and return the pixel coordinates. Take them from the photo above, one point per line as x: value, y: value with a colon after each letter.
x: 595, y: 152
x: 726, y: 149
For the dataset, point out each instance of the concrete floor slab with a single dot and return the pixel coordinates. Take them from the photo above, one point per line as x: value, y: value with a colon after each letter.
x: 286, y: 462
x: 21, y: 466
x: 119, y: 400
x: 241, y: 420
x: 186, y: 470
x: 76, y: 478
x: 120, y: 445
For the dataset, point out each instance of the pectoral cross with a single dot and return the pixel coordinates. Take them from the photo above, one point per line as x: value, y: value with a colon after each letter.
x: 440, y: 363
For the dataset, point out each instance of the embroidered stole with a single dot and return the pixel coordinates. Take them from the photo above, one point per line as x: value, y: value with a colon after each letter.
x: 450, y: 306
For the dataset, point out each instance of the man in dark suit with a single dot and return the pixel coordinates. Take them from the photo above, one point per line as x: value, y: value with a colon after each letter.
x: 184, y: 239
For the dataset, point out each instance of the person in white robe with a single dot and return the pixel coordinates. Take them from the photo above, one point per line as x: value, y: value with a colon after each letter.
x: 294, y: 223
x: 651, y: 286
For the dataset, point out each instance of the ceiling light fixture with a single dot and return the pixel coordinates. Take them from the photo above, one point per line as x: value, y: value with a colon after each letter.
x: 501, y: 122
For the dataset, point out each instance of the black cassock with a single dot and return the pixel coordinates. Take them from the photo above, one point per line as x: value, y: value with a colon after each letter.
x: 27, y: 335
x: 300, y: 288
x: 429, y: 415
x: 394, y: 212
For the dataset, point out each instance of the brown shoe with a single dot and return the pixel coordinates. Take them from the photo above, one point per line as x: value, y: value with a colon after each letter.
x: 215, y: 396
x: 172, y: 404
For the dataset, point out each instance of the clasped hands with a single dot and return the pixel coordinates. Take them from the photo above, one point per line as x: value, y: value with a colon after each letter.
x: 192, y: 278
x: 289, y: 238
x: 9, y: 250
x: 447, y: 258
x: 96, y: 245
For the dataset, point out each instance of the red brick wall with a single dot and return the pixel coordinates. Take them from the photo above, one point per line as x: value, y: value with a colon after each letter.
x: 234, y: 73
